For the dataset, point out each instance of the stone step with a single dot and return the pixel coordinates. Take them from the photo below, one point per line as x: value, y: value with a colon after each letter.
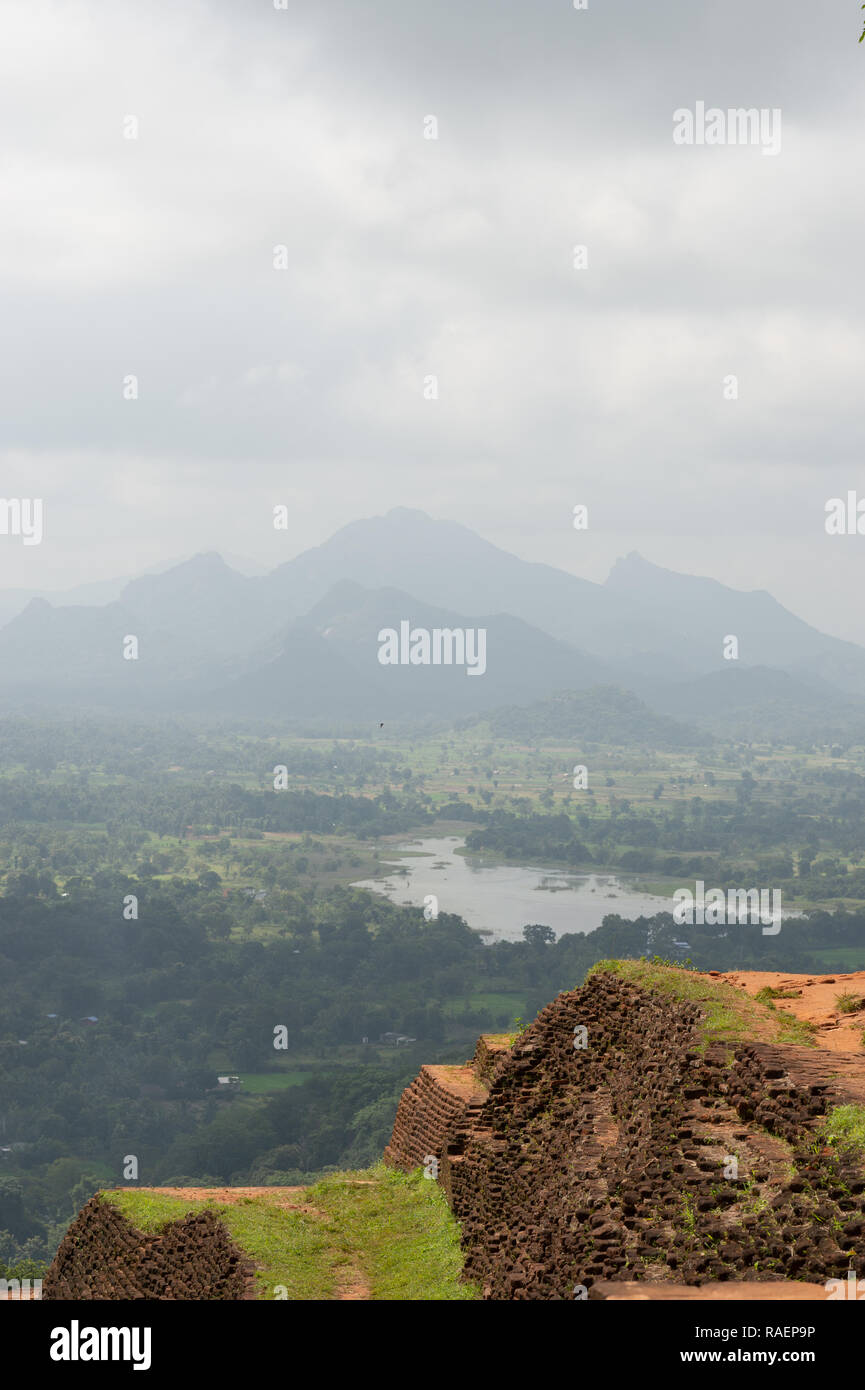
x: 770, y: 1291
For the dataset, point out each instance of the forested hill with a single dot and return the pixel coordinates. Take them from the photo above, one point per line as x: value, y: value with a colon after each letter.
x: 604, y: 714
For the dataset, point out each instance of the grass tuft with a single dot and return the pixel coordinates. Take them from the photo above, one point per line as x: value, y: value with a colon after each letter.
x: 844, y: 1128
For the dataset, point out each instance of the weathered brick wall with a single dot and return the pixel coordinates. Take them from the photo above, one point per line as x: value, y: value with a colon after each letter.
x: 490, y: 1048
x: 613, y: 1162
x: 427, y: 1111
x: 102, y: 1256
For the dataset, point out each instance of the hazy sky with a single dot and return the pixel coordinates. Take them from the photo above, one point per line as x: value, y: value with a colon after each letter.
x: 407, y: 257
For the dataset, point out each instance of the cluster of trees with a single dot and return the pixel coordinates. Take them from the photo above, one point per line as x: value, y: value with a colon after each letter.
x: 800, y: 843
x: 170, y: 809
x: 112, y: 1032
x: 604, y: 714
x: 143, y: 749
x: 171, y: 997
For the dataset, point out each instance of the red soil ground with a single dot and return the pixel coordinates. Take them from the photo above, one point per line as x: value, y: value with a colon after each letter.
x: 815, y: 1002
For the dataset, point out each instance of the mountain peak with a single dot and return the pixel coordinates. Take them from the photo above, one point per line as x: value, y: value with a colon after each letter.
x: 629, y: 567
x: 204, y: 568
x: 204, y: 561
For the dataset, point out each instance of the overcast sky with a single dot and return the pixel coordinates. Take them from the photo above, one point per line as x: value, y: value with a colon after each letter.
x: 410, y: 257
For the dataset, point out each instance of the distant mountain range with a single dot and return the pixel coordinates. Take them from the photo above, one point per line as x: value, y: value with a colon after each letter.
x: 302, y: 640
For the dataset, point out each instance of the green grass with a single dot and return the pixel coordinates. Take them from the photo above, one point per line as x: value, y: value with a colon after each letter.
x: 391, y: 1232
x: 848, y: 1003
x: 731, y: 1015
x: 402, y: 1229
x: 845, y: 1127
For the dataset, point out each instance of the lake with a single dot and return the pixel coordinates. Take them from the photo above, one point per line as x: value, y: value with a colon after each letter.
x: 500, y: 899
